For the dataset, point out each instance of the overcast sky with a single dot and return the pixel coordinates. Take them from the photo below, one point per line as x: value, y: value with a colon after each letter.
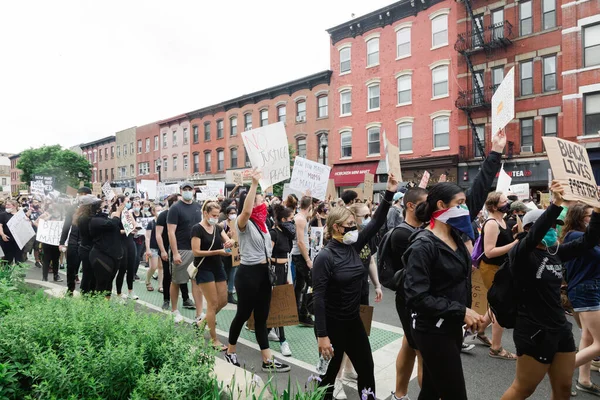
x: 76, y: 71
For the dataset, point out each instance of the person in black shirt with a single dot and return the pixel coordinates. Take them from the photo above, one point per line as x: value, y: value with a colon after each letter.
x: 338, y: 275
x: 152, y: 250
x: 320, y: 216
x: 11, y: 250
x: 230, y: 269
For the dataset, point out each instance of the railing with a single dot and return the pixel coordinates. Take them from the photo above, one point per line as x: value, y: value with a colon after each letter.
x: 475, y: 98
x: 493, y: 36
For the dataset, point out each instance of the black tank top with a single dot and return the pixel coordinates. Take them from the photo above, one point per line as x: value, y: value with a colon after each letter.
x: 504, y: 237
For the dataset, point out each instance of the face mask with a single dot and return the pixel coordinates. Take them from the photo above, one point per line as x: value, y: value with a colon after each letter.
x: 259, y: 215
x: 232, y: 217
x: 136, y: 209
x: 146, y: 208
x: 9, y: 210
x: 128, y: 206
x: 213, y: 221
x: 457, y: 217
x: 550, y: 238
x: 504, y: 209
x: 187, y: 195
x: 289, y: 228
x: 350, y: 235
x: 365, y: 223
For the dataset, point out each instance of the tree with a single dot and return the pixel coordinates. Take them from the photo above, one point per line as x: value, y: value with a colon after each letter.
x: 61, y: 164
x: 278, y: 187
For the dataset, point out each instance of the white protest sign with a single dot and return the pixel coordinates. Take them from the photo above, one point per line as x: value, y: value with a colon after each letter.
x: 201, y: 196
x: 128, y: 222
x: 149, y: 186
x: 37, y: 188
x: 49, y: 231
x: 47, y: 181
x: 267, y: 148
x: 521, y: 190
x: 287, y: 190
x: 316, y: 241
x: 504, y: 181
x: 425, y: 180
x: 214, y: 188
x: 503, y: 103
x: 142, y: 223
x: 20, y: 227
x: 108, y: 191
x: 311, y: 176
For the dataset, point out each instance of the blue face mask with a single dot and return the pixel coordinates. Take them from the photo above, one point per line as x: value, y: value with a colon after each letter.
x: 550, y: 238
x: 128, y: 206
x: 365, y: 222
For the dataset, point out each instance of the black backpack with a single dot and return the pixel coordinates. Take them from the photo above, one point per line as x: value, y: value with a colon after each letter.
x: 503, y: 297
x: 385, y: 260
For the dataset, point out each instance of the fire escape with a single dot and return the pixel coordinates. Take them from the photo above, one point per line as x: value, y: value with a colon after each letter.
x: 489, y: 39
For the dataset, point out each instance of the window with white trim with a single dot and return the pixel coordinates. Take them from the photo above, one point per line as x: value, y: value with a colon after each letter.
x: 527, y: 134
x: 441, y: 132
x: 345, y: 60
x: 233, y: 156
x: 346, y: 144
x: 124, y: 151
x: 233, y: 126
x: 526, y: 78
x: 404, y: 83
x: 207, y: 161
x: 374, y: 146
x: 247, y: 121
x: 174, y: 138
x: 592, y: 113
x: 186, y: 136
x: 550, y: 73
x: 550, y: 125
x: 164, y: 136
x: 403, y: 42
x: 301, y: 148
x: 196, y: 162
x: 185, y: 162
x: 206, y: 131
x: 479, y: 133
x: 591, y: 45
x: 220, y: 129
x: 549, y: 13
x: 440, y: 80
x: 281, y: 113
x: 139, y: 146
x: 346, y: 102
x: 439, y: 31
x: 373, y: 97
x: 147, y: 146
x: 525, y: 18
x: 220, y: 160
x: 174, y: 163
x: 264, y: 117
x: 405, y: 137
x: 301, y: 109
x: 195, y: 133
x: 165, y: 165
x: 322, y: 106
x: 373, y: 52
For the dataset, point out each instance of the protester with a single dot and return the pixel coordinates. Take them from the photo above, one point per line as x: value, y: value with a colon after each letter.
x: 394, y: 217
x: 12, y: 253
x: 348, y: 197
x: 128, y: 262
x: 301, y: 259
x: 51, y: 253
x: 320, y: 215
x: 152, y: 251
x: 34, y: 212
x: 517, y: 209
x: 230, y: 269
x: 138, y: 239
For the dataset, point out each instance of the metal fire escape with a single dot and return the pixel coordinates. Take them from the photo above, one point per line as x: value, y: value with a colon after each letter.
x: 490, y: 39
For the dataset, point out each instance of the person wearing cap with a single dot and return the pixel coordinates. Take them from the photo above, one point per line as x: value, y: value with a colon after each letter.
x: 182, y: 216
x: 543, y: 337
x: 394, y: 215
x: 517, y: 209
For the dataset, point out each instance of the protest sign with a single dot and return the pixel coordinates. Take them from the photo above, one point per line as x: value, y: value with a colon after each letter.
x: 118, y: 190
x: 392, y: 157
x: 149, y: 186
x: 521, y: 190
x: 545, y: 200
x: 425, y: 180
x: 315, y: 241
x: 287, y: 190
x: 238, y: 178
x: 331, y: 192
x: 310, y: 175
x: 366, y: 316
x: 571, y: 167
x: 47, y: 181
x: 128, y: 192
x: 143, y: 224
x: 443, y: 178
x: 37, y: 188
x: 283, y: 310
x: 478, y: 293
x: 20, y: 227
x: 503, y: 103
x: 71, y: 191
x: 504, y: 181
x: 49, y: 231
x: 368, y: 186
x: 108, y: 191
x: 200, y: 196
x: 128, y: 222
x: 214, y: 189
x: 97, y: 188
x: 235, y: 254
x: 268, y: 150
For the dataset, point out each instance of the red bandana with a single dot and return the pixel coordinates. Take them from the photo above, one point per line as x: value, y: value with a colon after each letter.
x: 259, y: 216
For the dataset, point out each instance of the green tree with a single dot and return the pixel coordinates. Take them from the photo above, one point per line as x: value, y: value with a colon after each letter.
x: 61, y: 164
x: 278, y: 187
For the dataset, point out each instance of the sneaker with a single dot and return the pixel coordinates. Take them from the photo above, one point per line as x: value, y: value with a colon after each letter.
x: 394, y: 397
x: 273, y: 336
x: 62, y: 266
x: 124, y: 296
x: 136, y: 278
x: 274, y: 366
x: 155, y: 276
x: 592, y: 389
x: 231, y: 299
x: 350, y: 376
x: 285, y: 349
x: 232, y: 359
x: 166, y: 305
x: 133, y: 296
x: 467, y: 347
x: 307, y: 321
x: 57, y: 278
x: 38, y: 264
x: 189, y: 304
x: 338, y: 390
x: 177, y: 317
x: 248, y: 328
x: 595, y: 365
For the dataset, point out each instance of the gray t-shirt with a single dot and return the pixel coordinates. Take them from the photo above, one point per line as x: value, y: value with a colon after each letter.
x: 252, y: 244
x: 295, y: 249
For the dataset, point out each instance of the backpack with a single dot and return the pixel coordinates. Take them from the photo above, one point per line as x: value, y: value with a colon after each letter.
x: 503, y: 297
x: 478, y: 251
x: 385, y: 260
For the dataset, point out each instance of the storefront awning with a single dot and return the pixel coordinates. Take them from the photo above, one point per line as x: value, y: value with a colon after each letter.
x: 352, y: 174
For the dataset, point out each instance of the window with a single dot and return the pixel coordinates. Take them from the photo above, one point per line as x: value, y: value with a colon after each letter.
x: 373, y: 139
x: 131, y: 170
x: 373, y: 93
x: 207, y: 162
x: 247, y: 121
x: 174, y: 163
x: 498, y: 23
x: 526, y: 78
x: 346, y: 142
x: 195, y: 133
x: 591, y: 45
x: 264, y: 117
x: 247, y: 159
x: 478, y: 133
x: 549, y: 13
x: 322, y: 106
x: 147, y: 145
x: 131, y: 148
x: 155, y: 143
x: 526, y: 24
x: 220, y: 129
x: 112, y: 174
x: 100, y: 156
x: 550, y: 125
x: 174, y: 138
x: 186, y: 136
x: 404, y: 89
x: 220, y: 160
x: 301, y: 148
x: 345, y: 59
x: 165, y: 166
x: 164, y: 140
x: 99, y: 178
x: 403, y: 43
x: 106, y: 153
x: 233, y: 126
x: 112, y: 150
x: 441, y: 132
x: 592, y: 113
x: 281, y: 113
x: 478, y: 87
x: 140, y: 169
x: 206, y: 131
x: 124, y: 150
x: 439, y: 31
x: 549, y: 73
x: 233, y: 156
x: 106, y: 173
x: 405, y: 137
x: 346, y: 102
x: 440, y: 81
x: 139, y: 146
x: 373, y: 52
x: 301, y: 111
x: 185, y: 162
x: 527, y: 135
x: 497, y: 76
x: 196, y: 162
x: 144, y: 168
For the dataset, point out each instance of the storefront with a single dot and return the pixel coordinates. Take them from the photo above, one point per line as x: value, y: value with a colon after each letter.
x: 348, y: 176
x: 414, y: 168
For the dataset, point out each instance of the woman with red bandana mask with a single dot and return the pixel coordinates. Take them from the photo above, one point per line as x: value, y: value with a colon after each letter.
x: 252, y: 281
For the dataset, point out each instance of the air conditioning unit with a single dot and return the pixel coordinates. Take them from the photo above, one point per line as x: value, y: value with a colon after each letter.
x: 526, y: 149
x: 301, y: 118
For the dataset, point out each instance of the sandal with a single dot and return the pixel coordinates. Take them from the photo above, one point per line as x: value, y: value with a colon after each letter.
x: 502, y: 354
x: 220, y: 347
x: 160, y: 290
x: 149, y: 287
x: 484, y: 339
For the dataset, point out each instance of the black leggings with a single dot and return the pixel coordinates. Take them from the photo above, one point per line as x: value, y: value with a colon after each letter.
x: 281, y: 273
x: 73, y: 262
x: 127, y: 264
x: 105, y: 269
x: 254, y: 294
x: 12, y: 253
x: 442, y: 367
x: 302, y: 283
x: 351, y: 338
x: 185, y: 294
x: 139, y: 251
x: 88, y: 279
x: 51, y: 256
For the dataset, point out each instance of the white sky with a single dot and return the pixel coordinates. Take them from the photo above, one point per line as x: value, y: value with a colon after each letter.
x: 75, y: 71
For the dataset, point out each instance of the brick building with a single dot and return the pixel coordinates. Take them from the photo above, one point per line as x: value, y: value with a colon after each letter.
x: 148, y: 151
x: 101, y: 154
x: 126, y: 158
x: 175, y: 148
x: 15, y: 175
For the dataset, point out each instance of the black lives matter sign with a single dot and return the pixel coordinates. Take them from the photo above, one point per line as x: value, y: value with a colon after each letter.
x: 571, y: 167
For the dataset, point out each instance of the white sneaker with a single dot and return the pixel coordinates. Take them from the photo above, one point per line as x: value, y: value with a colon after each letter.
x: 338, y: 390
x: 285, y: 349
x: 133, y: 296
x: 177, y: 316
x: 124, y: 296
x: 467, y: 347
x: 273, y: 336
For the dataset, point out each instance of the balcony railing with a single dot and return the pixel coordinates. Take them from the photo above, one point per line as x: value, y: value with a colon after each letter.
x: 475, y: 98
x: 491, y: 37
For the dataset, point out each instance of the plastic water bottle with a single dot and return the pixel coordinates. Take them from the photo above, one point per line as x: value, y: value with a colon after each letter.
x: 323, y: 364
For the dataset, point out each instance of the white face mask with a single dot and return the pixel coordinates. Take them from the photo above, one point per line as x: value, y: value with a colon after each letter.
x: 232, y: 217
x: 213, y: 221
x: 350, y: 237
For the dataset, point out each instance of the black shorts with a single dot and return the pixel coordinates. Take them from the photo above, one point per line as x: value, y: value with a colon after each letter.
x: 208, y: 274
x: 405, y: 318
x: 540, y: 343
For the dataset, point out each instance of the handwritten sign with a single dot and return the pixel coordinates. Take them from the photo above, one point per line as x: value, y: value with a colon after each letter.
x: 368, y: 186
x: 47, y: 181
x: 214, y: 189
x: 571, y: 167
x: 96, y: 188
x: 283, y: 310
x: 504, y: 181
x: 71, y: 191
x: 443, y: 178
x: 267, y: 149
x: 128, y: 222
x: 49, y: 231
x: 108, y: 191
x: 310, y: 175
x: 392, y: 157
x: 149, y: 186
x: 238, y: 178
x: 37, y: 188
x: 503, y: 102
x: 331, y: 192
x: 478, y: 293
x: 235, y: 254
x: 366, y: 316
x: 315, y: 241
x: 521, y: 190
x: 20, y: 227
x: 425, y: 180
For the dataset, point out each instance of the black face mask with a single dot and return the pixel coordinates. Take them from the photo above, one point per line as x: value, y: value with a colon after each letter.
x: 349, y: 228
x: 288, y: 228
x: 505, y: 208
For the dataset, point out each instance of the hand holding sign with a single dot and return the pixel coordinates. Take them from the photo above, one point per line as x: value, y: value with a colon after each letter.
x: 557, y: 193
x: 499, y: 141
x: 392, y: 183
x: 256, y: 174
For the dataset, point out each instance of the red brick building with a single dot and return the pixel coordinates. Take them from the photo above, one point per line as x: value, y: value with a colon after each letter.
x: 101, y: 154
x: 15, y: 175
x: 147, y: 160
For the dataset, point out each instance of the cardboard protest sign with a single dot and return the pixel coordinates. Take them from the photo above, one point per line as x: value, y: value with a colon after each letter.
x: 545, y: 199
x: 37, y: 188
x: 267, y: 149
x: 478, y: 293
x: 108, y: 191
x: 368, y: 186
x: 443, y: 178
x: 21, y: 229
x: 331, y: 192
x: 96, y: 188
x: 503, y: 103
x: 392, y: 157
x: 315, y: 241
x: 49, y: 231
x: 238, y: 178
x: 128, y: 222
x: 366, y: 315
x: 425, y: 180
x: 71, y: 191
x: 283, y: 310
x: 149, y: 186
x: 504, y: 181
x: 359, y: 193
x: 235, y: 254
x: 521, y: 190
x: 571, y: 167
x: 310, y: 175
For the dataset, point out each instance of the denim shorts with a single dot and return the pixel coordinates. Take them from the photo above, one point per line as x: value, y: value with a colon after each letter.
x: 586, y: 296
